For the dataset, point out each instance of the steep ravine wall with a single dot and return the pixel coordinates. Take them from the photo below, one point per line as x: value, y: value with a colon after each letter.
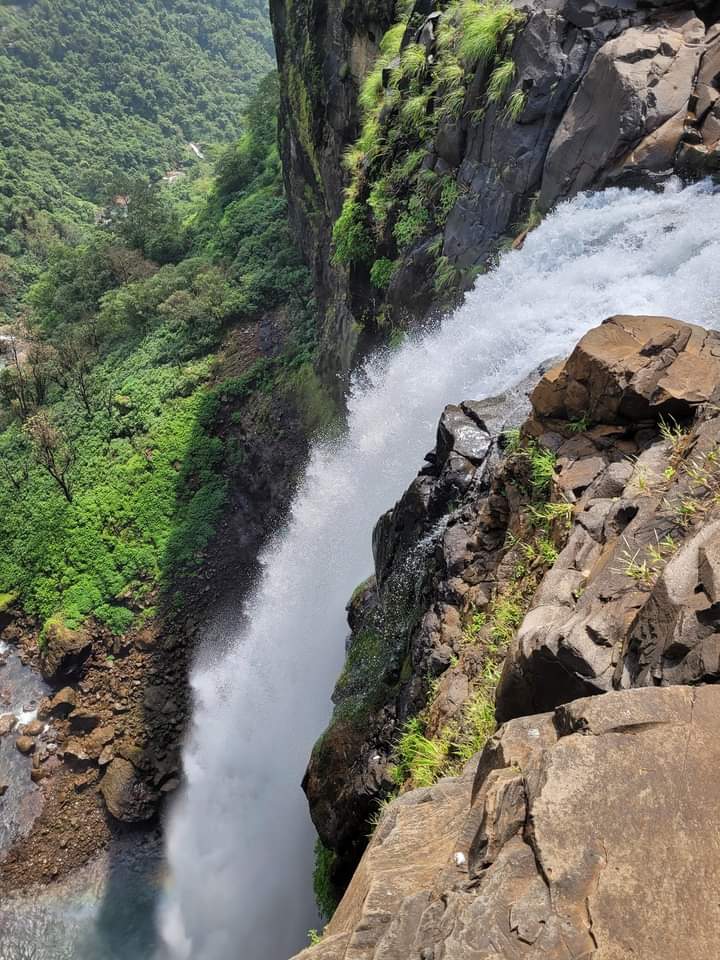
x: 576, y: 557
x: 461, y: 152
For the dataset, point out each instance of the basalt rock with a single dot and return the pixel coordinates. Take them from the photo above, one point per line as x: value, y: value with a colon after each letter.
x: 626, y: 595
x: 631, y: 369
x: 608, y: 93
x: 126, y: 792
x: 587, y: 832
x: 631, y: 600
x: 437, y: 553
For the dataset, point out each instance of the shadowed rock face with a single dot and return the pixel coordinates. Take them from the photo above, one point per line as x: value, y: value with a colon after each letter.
x: 613, y: 93
x: 436, y: 552
x: 587, y: 832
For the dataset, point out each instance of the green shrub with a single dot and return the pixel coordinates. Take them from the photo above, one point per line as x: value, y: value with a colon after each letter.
x: 412, y: 224
x: 351, y: 237
x: 382, y: 272
x: 326, y: 896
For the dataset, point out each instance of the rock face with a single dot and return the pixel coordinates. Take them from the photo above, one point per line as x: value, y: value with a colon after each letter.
x: 604, y: 94
x: 633, y: 369
x: 556, y: 850
x: 632, y: 598
x: 584, y: 552
x: 437, y: 553
x: 126, y: 793
x: 630, y: 108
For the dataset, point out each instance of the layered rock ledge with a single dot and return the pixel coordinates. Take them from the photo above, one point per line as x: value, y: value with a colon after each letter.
x: 587, y: 832
x: 583, y: 550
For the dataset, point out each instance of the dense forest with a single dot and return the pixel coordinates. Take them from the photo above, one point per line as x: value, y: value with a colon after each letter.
x: 112, y: 476
x: 96, y: 92
x: 111, y: 479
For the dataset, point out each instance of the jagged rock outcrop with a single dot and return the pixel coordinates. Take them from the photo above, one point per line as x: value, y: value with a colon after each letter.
x: 632, y: 598
x: 600, y: 575
x: 437, y: 554
x: 598, y: 94
x: 587, y: 832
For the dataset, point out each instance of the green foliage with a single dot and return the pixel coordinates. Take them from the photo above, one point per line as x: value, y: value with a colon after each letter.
x: 124, y: 350
x: 580, y: 424
x: 515, y: 106
x: 381, y: 273
x: 500, y: 79
x: 394, y: 199
x: 418, y: 759
x: 99, y: 92
x: 542, y: 468
x: 484, y: 24
x: 351, y: 237
x: 412, y: 223
x: 326, y: 895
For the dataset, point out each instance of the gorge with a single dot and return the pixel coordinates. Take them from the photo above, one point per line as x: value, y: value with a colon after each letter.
x: 617, y: 251
x: 246, y: 648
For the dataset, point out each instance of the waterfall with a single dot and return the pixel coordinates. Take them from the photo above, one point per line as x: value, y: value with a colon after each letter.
x: 240, y: 843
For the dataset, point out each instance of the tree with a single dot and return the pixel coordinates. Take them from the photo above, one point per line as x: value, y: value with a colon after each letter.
x: 51, y: 450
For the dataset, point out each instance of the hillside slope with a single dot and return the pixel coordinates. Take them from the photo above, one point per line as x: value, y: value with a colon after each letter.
x: 92, y: 94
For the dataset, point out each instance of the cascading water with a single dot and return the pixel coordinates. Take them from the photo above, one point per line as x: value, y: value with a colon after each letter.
x: 240, y: 842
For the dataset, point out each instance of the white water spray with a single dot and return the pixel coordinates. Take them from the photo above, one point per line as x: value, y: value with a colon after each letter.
x: 240, y: 842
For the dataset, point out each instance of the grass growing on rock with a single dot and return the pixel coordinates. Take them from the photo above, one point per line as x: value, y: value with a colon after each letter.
x: 394, y: 201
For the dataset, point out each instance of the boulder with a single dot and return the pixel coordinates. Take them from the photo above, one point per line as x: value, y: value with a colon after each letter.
x: 634, y: 97
x: 8, y: 722
x: 581, y: 833
x: 127, y: 795
x: 63, y: 703
x: 634, y: 368
x: 64, y: 651
x: 25, y: 745
x: 32, y: 729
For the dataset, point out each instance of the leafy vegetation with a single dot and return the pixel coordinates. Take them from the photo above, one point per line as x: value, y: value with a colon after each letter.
x: 111, y: 475
x: 326, y: 895
x: 97, y: 92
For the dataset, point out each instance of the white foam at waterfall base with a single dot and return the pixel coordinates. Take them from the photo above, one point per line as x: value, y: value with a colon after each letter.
x: 240, y: 842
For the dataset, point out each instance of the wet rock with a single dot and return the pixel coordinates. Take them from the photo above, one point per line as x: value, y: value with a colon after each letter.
x: 538, y: 852
x: 25, y: 745
x: 8, y: 722
x: 126, y: 793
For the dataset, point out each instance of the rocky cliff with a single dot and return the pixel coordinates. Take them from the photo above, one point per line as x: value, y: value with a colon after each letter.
x: 561, y: 578
x: 418, y: 138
